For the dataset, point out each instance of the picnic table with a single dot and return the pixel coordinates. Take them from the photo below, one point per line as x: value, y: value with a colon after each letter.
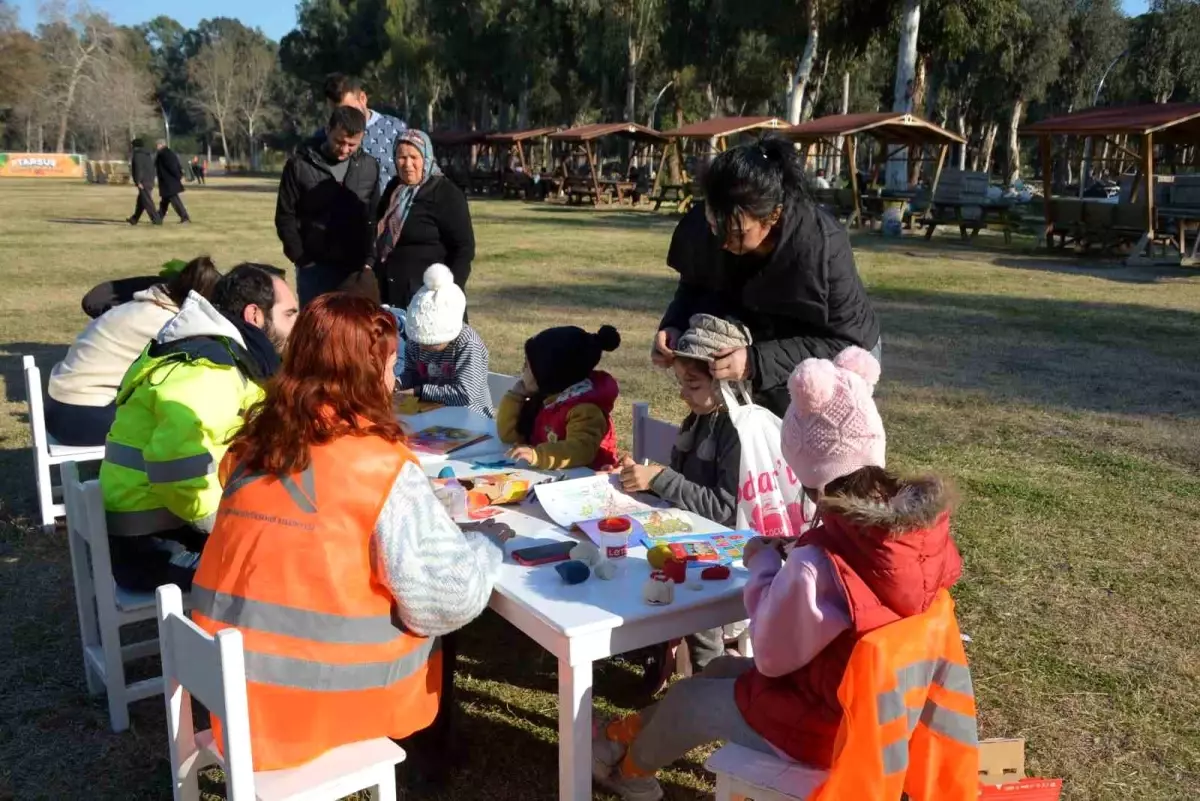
x: 971, y: 217
x: 683, y: 195
x: 1183, y: 219
x: 583, y: 623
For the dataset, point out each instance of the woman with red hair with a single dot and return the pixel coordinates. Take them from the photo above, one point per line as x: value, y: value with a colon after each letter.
x: 330, y: 552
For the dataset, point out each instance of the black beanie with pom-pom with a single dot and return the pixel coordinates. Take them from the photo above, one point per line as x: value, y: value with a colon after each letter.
x: 561, y: 357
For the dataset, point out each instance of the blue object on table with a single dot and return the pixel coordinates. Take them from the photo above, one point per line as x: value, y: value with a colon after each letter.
x: 446, y: 472
x: 493, y: 465
x: 574, y: 571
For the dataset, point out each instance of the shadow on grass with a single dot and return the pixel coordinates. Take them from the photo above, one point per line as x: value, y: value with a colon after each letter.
x: 1075, y: 355
x: 629, y: 292
x: 602, y: 217
x: 85, y: 221
x: 263, y: 187
x: 46, y: 354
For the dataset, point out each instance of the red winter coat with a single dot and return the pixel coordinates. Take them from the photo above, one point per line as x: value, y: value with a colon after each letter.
x: 890, y: 560
x: 599, y: 389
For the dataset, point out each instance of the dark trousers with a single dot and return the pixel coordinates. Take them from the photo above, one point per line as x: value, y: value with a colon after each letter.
x: 316, y: 280
x: 145, y: 203
x: 143, y: 564
x: 175, y: 202
x: 432, y: 752
x: 79, y: 426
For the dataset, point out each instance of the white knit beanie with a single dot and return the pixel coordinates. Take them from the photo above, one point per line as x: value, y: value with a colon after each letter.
x: 435, y: 315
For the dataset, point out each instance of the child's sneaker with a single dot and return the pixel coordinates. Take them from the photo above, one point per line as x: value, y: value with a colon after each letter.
x: 606, y: 754
x: 631, y: 788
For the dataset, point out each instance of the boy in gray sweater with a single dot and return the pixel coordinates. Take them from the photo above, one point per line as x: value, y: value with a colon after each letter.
x: 703, y: 475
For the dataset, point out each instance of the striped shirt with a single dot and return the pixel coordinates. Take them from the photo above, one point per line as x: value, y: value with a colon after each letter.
x: 456, y: 376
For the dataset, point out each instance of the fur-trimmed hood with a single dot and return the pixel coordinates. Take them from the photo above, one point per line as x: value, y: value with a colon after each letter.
x: 916, y: 503
x: 892, y: 558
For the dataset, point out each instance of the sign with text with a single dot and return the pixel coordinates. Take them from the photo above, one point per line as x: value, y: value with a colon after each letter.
x: 40, y: 165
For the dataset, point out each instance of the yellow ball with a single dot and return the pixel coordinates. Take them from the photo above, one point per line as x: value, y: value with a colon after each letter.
x: 658, y: 556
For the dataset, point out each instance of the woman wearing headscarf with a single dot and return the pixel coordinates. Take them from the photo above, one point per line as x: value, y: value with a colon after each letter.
x: 423, y: 220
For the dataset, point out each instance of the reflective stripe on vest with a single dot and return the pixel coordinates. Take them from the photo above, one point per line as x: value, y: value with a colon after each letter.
x: 182, y: 469
x: 891, y: 706
x: 291, y: 622
x: 151, y: 521
x: 304, y: 674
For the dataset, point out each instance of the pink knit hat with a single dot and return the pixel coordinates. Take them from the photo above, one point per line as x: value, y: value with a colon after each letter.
x: 832, y: 427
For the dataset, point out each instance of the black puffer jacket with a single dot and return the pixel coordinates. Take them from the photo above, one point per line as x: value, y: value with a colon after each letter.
x: 322, y: 221
x: 141, y: 168
x: 804, y: 300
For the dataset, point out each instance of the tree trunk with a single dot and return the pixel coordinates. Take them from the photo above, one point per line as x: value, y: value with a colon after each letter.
x: 836, y: 169
x: 989, y: 143
x: 631, y: 79
x: 906, y: 66
x: 1014, y: 143
x: 522, y: 105
x: 965, y: 133
x: 224, y: 141
x: 812, y: 98
x: 253, y: 149
x: 799, y: 77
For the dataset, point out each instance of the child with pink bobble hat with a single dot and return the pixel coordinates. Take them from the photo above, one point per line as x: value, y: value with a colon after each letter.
x: 879, y: 552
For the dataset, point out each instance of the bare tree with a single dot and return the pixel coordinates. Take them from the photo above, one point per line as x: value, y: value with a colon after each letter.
x: 799, y: 75
x: 259, y: 69
x: 71, y: 42
x: 216, y: 76
x: 641, y: 22
x: 115, y: 97
x: 906, y: 72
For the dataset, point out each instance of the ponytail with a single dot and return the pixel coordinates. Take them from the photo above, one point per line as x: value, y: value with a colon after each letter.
x: 754, y: 179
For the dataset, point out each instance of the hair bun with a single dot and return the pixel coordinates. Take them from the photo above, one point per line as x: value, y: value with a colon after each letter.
x: 861, y: 363
x: 438, y: 276
x: 813, y: 384
x: 608, y: 338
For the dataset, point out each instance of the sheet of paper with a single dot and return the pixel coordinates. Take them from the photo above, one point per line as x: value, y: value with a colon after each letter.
x: 570, y: 502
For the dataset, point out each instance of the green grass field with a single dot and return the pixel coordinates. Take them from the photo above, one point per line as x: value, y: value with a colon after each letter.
x: 1061, y: 396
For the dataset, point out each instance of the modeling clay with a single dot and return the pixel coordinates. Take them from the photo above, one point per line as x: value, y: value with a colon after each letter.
x: 447, y: 472
x: 718, y: 573
x: 658, y: 591
x: 573, y: 572
x: 587, y: 553
x: 658, y: 556
x: 606, y: 571
x: 675, y: 570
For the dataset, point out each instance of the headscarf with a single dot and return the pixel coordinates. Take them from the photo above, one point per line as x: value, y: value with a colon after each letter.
x: 402, y: 199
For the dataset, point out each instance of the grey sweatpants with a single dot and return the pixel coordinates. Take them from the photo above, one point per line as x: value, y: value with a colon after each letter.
x: 695, y: 712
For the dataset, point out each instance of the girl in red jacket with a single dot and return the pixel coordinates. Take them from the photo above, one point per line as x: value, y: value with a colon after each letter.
x: 880, y: 552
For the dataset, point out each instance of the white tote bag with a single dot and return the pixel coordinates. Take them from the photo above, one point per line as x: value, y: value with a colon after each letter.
x: 771, y: 500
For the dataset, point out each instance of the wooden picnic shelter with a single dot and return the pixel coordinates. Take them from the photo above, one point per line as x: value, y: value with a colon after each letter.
x: 512, y: 146
x: 717, y: 132
x: 582, y: 142
x: 459, y: 150
x: 890, y: 129
x: 1152, y: 204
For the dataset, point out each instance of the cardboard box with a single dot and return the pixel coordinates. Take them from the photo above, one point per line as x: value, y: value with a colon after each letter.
x: 1002, y: 774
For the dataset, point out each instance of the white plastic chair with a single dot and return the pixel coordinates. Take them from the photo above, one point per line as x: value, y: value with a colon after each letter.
x: 652, y: 439
x: 213, y: 669
x: 498, y: 385
x: 103, y: 607
x: 47, y: 452
x: 743, y: 773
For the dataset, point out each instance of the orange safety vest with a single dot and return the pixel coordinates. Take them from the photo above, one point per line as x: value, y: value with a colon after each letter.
x: 289, y: 564
x: 909, y: 715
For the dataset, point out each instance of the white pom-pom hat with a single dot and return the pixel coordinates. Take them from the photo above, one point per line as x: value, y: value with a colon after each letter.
x: 435, y: 316
x: 832, y: 427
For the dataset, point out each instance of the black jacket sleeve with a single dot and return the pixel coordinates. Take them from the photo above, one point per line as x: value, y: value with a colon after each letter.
x: 372, y: 214
x: 287, y: 223
x: 457, y: 232
x: 110, y: 294
x: 688, y: 255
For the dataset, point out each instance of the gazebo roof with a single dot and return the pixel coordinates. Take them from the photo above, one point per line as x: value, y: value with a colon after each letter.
x: 509, y: 137
x: 891, y: 127
x: 626, y: 130
x: 1177, y: 121
x: 724, y: 126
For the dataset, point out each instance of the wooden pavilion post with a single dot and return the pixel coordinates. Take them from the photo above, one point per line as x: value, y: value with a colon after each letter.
x: 1044, y: 145
x: 856, y: 219
x: 1148, y: 176
x: 587, y: 149
x: 937, y: 174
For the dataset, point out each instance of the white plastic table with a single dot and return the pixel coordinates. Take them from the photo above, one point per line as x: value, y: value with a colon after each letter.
x: 585, y: 622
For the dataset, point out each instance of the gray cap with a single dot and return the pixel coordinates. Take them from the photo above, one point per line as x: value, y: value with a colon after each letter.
x: 708, y: 334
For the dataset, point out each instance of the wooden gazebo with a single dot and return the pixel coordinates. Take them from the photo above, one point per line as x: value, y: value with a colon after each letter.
x: 895, y: 130
x: 459, y: 149
x: 1148, y: 126
x: 719, y: 131
x: 582, y: 140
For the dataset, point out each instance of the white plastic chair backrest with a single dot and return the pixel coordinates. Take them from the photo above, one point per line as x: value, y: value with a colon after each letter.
x: 652, y: 439
x: 498, y: 385
x: 37, y: 411
x: 213, y: 669
x: 84, y: 502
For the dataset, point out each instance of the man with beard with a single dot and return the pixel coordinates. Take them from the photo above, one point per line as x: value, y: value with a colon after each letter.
x: 178, y: 407
x: 325, y: 211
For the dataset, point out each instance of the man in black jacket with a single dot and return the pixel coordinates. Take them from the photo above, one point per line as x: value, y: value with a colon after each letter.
x: 170, y: 182
x: 141, y: 167
x: 325, y: 213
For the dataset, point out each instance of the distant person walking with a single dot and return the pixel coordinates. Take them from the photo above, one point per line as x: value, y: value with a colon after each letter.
x: 170, y: 182
x: 141, y: 169
x: 325, y: 213
x: 198, y: 170
x: 379, y: 139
